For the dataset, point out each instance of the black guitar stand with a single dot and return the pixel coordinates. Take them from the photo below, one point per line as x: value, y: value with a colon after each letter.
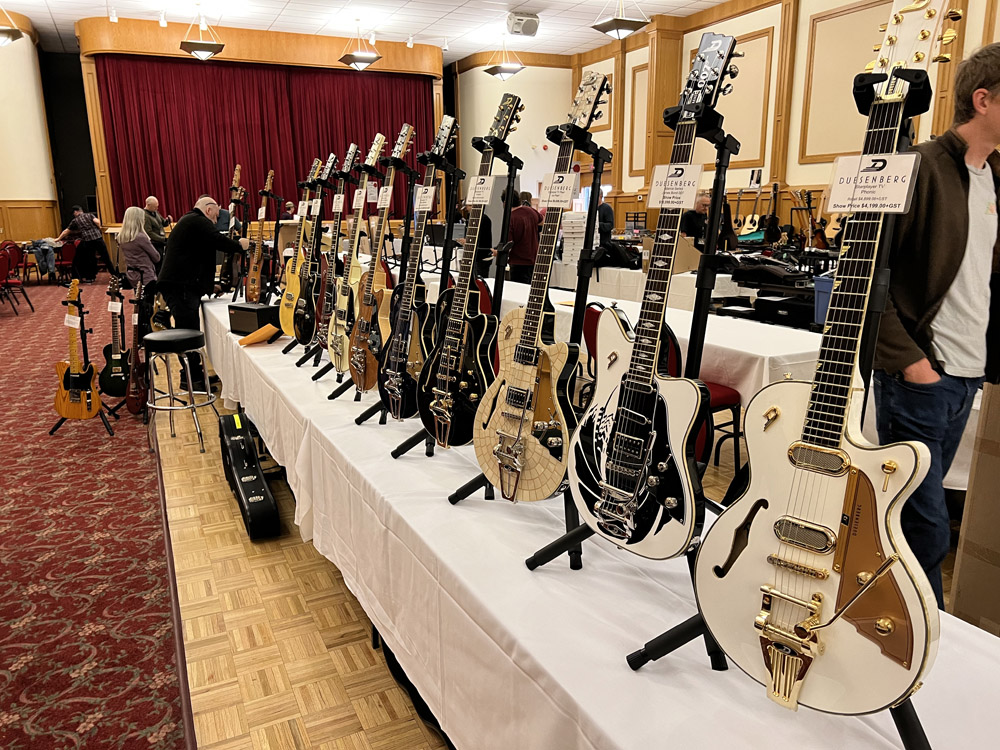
x: 502, y: 152
x: 412, y: 176
x: 82, y: 313
x: 453, y: 175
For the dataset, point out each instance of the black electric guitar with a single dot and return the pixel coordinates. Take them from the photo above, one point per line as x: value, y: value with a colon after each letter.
x: 229, y: 258
x: 138, y: 388
x: 115, y: 375
x: 526, y: 418
x: 631, y: 467
x: 772, y: 228
x: 304, y: 319
x: 403, y: 355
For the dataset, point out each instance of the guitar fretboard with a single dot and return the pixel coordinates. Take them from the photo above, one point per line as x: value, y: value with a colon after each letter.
x: 354, y: 240
x: 845, y: 319
x: 331, y: 268
x: 376, y: 240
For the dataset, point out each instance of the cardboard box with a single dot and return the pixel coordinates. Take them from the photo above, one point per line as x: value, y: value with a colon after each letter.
x: 976, y: 582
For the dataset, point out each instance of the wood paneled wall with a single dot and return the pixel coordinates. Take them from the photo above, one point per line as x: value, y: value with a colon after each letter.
x: 28, y: 220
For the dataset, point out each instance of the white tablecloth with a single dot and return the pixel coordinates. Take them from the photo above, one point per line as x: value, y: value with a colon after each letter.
x: 507, y: 658
x: 616, y: 283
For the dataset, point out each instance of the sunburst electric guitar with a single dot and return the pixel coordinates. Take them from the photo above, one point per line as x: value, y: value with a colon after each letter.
x: 404, y: 354
x: 342, y: 320
x: 373, y: 326
x: 286, y: 312
x: 806, y: 581
x: 77, y: 395
x: 631, y: 466
x: 526, y: 417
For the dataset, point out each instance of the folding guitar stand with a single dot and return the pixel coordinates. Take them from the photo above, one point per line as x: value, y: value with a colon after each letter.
x: 453, y: 175
x: 411, y: 176
x: 502, y: 152
x: 82, y: 313
x: 904, y: 716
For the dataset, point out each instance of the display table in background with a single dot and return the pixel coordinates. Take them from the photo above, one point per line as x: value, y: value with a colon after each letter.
x: 616, y: 283
x: 507, y: 658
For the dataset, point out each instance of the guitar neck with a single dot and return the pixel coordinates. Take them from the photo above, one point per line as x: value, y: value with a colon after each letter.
x: 338, y: 221
x: 376, y: 243
x: 829, y: 401
x: 355, y: 238
x: 416, y: 248
x: 642, y: 366
x: 303, y: 219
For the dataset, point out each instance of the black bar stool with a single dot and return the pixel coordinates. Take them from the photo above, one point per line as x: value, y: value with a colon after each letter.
x: 181, y: 342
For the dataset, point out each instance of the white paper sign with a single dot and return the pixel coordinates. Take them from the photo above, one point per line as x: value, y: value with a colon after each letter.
x: 317, y: 203
x: 480, y: 190
x: 359, y: 199
x: 72, y: 321
x: 425, y: 198
x: 372, y: 192
x: 114, y: 306
x: 882, y: 183
x: 135, y: 319
x: 303, y: 208
x: 675, y: 186
x: 559, y: 190
x: 261, y: 213
x: 338, y: 203
x: 384, y: 197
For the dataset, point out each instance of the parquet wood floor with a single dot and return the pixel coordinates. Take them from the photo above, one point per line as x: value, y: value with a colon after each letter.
x: 278, y: 650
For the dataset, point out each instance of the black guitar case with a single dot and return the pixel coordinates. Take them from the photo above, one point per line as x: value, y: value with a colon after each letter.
x: 246, y: 480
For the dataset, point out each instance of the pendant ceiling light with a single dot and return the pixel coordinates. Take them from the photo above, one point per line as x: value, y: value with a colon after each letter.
x: 8, y: 29
x: 359, y: 53
x: 508, y: 65
x: 619, y: 26
x: 207, y: 44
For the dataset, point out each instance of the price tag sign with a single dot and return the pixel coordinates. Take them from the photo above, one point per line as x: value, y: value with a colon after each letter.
x: 261, y: 213
x: 481, y: 191
x: 359, y: 199
x: 303, y: 207
x: 72, y: 321
x: 882, y: 183
x: 425, y: 198
x: 135, y: 319
x: 338, y: 203
x: 317, y: 203
x: 372, y: 192
x: 114, y: 306
x: 559, y: 190
x: 384, y: 197
x: 675, y: 186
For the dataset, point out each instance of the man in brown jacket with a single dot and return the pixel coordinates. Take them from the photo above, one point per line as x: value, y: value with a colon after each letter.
x: 940, y: 335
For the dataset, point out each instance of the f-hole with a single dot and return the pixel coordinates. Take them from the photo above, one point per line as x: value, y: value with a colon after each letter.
x: 740, y: 539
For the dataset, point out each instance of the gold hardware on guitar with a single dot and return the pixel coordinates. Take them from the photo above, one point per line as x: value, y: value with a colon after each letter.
x: 888, y: 468
x: 770, y: 415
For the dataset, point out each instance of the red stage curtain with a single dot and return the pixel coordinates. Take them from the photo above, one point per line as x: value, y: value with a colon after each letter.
x: 175, y: 128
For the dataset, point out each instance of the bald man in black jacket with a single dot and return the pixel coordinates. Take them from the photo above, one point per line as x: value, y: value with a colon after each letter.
x: 189, y: 267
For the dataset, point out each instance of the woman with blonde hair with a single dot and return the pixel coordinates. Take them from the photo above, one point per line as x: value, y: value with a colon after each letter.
x: 139, y: 251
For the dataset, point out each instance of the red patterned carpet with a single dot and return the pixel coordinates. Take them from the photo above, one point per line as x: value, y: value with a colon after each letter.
x: 87, y: 649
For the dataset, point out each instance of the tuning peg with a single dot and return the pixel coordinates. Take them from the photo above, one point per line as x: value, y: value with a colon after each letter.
x: 882, y: 27
x: 948, y: 36
x: 726, y: 90
x: 598, y: 115
x: 870, y: 67
x: 738, y: 54
x: 520, y: 108
x: 897, y: 18
x: 945, y: 58
x: 513, y: 128
x: 876, y: 47
x: 601, y: 101
x: 954, y: 15
x: 733, y: 71
x: 918, y: 56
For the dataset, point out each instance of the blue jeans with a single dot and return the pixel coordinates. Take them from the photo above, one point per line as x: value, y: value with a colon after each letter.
x: 935, y: 415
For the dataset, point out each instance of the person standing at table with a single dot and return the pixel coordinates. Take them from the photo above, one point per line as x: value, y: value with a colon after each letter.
x: 694, y: 223
x: 288, y: 213
x: 155, y: 224
x: 188, y: 270
x: 605, y: 221
x: 525, y: 226
x: 141, y: 257
x: 86, y: 229
x: 940, y: 332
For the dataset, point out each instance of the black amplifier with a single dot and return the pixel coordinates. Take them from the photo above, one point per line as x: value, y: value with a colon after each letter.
x: 239, y: 457
x: 247, y: 317
x: 794, y: 312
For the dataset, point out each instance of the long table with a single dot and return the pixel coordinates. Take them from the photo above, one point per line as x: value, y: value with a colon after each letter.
x: 507, y: 658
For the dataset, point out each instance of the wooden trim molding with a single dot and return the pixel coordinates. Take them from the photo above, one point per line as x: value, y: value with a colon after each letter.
x: 632, y: 134
x: 944, y: 92
x: 724, y: 12
x: 989, y: 27
x: 24, y: 24
x: 135, y: 37
x: 91, y: 93
x: 783, y: 96
x: 609, y: 119
x: 808, y: 91
x: 28, y: 219
x: 530, y: 59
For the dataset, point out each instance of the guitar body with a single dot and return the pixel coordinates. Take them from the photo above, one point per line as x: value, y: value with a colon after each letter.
x: 254, y: 272
x: 451, y: 416
x: 343, y: 318
x: 660, y: 520
x: 397, y: 382
x: 290, y: 297
x: 524, y: 422
x: 114, y: 376
x: 875, y: 654
x: 77, y: 395
x: 750, y: 225
x: 366, y: 341
x: 138, y: 389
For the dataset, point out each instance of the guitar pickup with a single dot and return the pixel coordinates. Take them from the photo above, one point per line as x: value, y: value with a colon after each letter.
x: 517, y: 398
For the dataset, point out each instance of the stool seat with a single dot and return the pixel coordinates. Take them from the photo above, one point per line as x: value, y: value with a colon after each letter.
x: 173, y: 341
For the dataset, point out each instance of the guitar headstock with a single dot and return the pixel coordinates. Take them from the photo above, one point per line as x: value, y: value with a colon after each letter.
x: 910, y: 37
x: 73, y: 295
x: 588, y: 101
x: 508, y: 114
x: 114, y: 287
x: 376, y: 150
x: 236, y: 178
x: 314, y: 170
x: 352, y: 156
x: 445, y: 138
x: 704, y: 83
x: 403, y: 141
x: 331, y: 164
x: 137, y: 291
x: 269, y: 181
